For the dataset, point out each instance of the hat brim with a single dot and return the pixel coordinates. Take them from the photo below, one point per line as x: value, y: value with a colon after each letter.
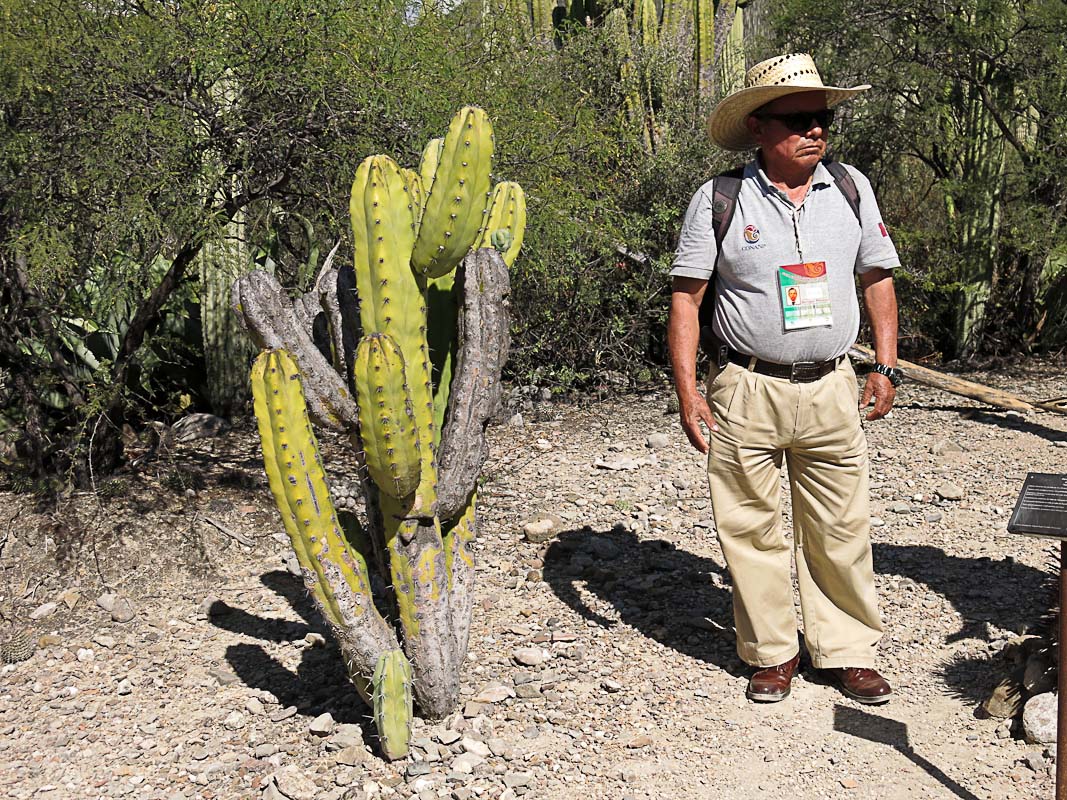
x: 727, y: 124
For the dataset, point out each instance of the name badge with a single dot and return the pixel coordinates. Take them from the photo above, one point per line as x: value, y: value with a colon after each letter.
x: 804, y: 291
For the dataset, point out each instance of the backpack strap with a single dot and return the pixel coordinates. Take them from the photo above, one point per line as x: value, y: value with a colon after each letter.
x: 725, y: 189
x: 843, y: 180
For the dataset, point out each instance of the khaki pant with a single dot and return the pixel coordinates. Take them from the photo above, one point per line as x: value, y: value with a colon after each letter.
x: 815, y: 427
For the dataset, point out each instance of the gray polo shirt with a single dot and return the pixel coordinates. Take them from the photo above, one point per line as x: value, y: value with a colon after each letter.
x: 768, y: 232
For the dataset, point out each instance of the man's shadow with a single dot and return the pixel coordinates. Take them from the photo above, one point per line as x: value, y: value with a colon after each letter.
x: 677, y: 598
x: 320, y: 683
x: 682, y: 600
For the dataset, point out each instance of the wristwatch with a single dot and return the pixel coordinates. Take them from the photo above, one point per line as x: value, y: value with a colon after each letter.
x: 896, y: 377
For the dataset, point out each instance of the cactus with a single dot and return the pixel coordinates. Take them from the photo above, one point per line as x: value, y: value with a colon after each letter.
x: 423, y: 344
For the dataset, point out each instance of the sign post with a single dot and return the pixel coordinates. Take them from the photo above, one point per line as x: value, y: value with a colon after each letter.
x: 1041, y: 510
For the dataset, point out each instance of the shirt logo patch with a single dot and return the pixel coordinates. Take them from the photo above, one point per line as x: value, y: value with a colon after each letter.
x: 881, y: 227
x: 751, y: 234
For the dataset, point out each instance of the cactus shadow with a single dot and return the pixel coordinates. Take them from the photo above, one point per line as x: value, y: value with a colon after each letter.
x: 668, y: 594
x: 319, y: 683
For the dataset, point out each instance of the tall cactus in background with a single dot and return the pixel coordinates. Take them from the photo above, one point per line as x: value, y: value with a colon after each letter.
x: 420, y: 323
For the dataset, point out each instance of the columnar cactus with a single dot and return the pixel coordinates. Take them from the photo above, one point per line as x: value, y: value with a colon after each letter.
x: 422, y: 345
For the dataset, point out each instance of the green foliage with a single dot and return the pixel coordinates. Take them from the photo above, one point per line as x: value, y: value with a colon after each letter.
x: 964, y: 136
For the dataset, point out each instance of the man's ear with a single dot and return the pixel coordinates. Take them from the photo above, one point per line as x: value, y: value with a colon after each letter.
x: 754, y: 125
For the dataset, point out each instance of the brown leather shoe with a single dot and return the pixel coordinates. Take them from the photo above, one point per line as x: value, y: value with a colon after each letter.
x: 771, y: 684
x: 862, y: 685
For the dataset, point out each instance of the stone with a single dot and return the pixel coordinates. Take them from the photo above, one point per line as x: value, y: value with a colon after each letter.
x: 1005, y: 701
x: 124, y: 687
x: 942, y: 446
x: 1036, y: 761
x: 1040, y: 673
x: 294, y: 784
x: 322, y: 725
x: 529, y: 656
x: 449, y: 736
x: 70, y: 598
x: 475, y: 746
x: 224, y: 675
x: 513, y: 780
x: 516, y: 420
x: 1039, y: 719
x: 235, y: 720
x: 350, y: 756
x: 283, y: 714
x: 44, y: 610
x: 472, y: 709
x: 850, y: 783
x: 105, y: 641
x: 528, y: 691
x: 900, y: 508
x: 932, y: 516
x: 950, y: 491
x: 123, y: 610
x: 542, y: 528
x: 639, y: 741
x: 494, y: 693
x: 106, y: 601
x: 466, y: 762
x: 658, y: 441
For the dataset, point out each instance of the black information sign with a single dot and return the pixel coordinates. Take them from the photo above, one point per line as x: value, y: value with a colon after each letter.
x: 1041, y: 509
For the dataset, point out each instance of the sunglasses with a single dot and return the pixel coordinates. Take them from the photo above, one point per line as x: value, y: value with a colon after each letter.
x: 802, y: 121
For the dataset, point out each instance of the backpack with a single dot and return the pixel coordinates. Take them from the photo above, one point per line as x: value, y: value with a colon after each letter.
x: 726, y: 188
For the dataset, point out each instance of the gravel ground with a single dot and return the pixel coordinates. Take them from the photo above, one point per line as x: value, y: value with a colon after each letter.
x: 602, y: 661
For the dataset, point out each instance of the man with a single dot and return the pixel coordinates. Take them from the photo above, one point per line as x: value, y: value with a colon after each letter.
x: 781, y: 385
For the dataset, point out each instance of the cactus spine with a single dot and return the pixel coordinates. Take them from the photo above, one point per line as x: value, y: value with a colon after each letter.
x: 423, y: 352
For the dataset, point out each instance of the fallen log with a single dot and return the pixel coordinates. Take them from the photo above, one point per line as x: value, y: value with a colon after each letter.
x: 947, y: 383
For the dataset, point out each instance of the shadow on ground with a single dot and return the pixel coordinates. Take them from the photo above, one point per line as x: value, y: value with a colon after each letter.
x: 319, y: 684
x: 682, y: 600
x: 675, y: 597
x: 994, y: 417
x: 894, y: 734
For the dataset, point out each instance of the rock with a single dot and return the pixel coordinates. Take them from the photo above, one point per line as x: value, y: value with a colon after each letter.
x: 877, y: 522
x: 1040, y: 673
x: 105, y: 641
x: 85, y: 655
x: 1005, y: 701
x: 466, y: 762
x: 322, y: 725
x: 542, y: 528
x: 314, y: 639
x: 350, y: 756
x: 611, y: 686
x: 472, y: 709
x: 850, y: 783
x: 106, y: 601
x: 900, y: 508
x: 618, y: 464
x: 515, y: 779
x: 198, y: 426
x: 471, y: 745
x: 1039, y: 719
x: 528, y: 691
x: 942, y: 446
x: 235, y: 721
x: 122, y: 610
x: 1036, y: 761
x: 449, y: 736
x: 292, y: 783
x: 950, y: 491
x: 516, y: 421
x: 658, y: 441
x: 254, y: 706
x: 494, y: 693
x: 529, y: 656
x: 224, y: 675
x: 283, y: 714
x: 673, y: 406
x: 124, y: 687
x: 932, y: 516
x: 44, y: 610
x: 70, y: 598
x: 639, y: 741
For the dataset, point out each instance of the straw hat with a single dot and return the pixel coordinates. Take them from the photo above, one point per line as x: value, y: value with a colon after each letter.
x: 767, y: 81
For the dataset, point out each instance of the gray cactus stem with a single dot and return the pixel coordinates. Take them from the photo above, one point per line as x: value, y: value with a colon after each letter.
x: 476, y: 389
x: 270, y: 319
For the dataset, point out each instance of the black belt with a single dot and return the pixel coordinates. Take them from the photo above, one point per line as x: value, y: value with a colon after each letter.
x: 797, y: 372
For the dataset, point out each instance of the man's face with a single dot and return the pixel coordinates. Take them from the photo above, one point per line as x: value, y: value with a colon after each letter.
x: 784, y: 148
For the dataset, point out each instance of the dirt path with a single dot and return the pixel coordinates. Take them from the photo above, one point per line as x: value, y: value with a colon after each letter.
x: 216, y: 686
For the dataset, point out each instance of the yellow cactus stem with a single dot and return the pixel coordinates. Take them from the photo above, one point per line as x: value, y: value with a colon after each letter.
x: 391, y: 703
x: 456, y: 203
x: 386, y: 421
x: 392, y: 299
x: 417, y: 196
x: 431, y: 157
x: 507, y: 211
x: 334, y: 573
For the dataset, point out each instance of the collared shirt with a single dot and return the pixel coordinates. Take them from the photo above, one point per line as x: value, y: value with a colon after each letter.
x: 767, y: 232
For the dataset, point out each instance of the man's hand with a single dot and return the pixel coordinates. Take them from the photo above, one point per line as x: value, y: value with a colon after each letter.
x: 879, y: 391
x: 683, y: 336
x: 694, y: 409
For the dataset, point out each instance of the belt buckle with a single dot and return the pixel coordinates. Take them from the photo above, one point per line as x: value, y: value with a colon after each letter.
x: 798, y: 368
x: 724, y: 356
